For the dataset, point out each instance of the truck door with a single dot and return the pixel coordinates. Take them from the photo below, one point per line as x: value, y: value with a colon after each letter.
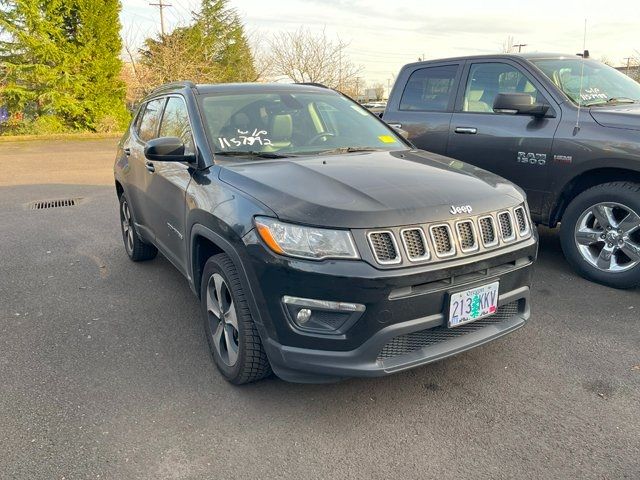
x: 517, y: 147
x: 424, y: 106
x: 167, y: 184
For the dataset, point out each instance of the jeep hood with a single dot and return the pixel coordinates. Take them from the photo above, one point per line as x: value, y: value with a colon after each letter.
x: 618, y: 116
x: 370, y: 189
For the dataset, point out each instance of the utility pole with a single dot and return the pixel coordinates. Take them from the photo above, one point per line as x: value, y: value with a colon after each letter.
x: 161, y: 6
x: 628, y: 59
x: 520, y: 45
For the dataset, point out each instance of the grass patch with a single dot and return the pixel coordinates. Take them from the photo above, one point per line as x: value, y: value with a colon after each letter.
x: 59, y: 136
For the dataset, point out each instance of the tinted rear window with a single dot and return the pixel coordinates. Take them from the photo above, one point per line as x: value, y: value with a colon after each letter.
x: 429, y: 89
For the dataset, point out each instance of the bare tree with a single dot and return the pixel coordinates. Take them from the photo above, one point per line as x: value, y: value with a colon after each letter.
x: 607, y: 61
x: 303, y: 56
x: 379, y: 89
x: 507, y: 45
x: 634, y: 66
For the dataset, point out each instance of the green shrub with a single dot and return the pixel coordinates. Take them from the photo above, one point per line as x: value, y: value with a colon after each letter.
x: 48, y: 124
x: 42, y: 125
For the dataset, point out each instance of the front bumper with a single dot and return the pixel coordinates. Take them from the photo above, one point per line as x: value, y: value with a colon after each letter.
x: 309, y: 365
x: 404, y: 324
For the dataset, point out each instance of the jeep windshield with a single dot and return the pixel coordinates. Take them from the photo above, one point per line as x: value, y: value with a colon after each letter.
x: 601, y: 84
x: 264, y: 125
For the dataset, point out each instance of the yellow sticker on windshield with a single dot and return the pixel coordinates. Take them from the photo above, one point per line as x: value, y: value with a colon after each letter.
x: 387, y: 139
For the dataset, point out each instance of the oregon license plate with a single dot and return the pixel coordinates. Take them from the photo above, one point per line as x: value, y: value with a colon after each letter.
x: 472, y: 304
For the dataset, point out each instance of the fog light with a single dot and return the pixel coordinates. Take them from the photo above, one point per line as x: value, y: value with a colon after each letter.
x: 303, y: 316
x: 322, y: 316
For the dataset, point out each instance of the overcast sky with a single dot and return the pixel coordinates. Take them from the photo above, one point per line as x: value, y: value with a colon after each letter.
x: 385, y: 35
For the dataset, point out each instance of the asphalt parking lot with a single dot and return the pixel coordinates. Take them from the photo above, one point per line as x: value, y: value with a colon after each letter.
x: 105, y: 372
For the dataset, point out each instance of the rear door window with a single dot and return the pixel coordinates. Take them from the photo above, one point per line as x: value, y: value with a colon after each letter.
x: 430, y: 89
x: 151, y: 120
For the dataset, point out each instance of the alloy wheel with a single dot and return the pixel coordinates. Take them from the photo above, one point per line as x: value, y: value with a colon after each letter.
x: 223, y: 319
x: 127, y: 227
x: 608, y: 237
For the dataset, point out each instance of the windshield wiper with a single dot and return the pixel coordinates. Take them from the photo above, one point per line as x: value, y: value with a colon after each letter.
x: 239, y: 153
x: 348, y: 150
x: 611, y: 101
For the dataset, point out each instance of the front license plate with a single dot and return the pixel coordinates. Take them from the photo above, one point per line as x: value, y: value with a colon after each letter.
x: 472, y: 304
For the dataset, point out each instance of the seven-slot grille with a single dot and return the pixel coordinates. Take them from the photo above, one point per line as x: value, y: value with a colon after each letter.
x: 384, y: 247
x: 506, y: 226
x: 415, y: 244
x: 442, y: 241
x: 466, y: 236
x: 461, y: 237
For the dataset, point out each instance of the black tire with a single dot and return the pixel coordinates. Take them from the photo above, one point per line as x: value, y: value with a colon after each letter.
x: 136, y: 249
x: 620, y: 193
x: 251, y: 362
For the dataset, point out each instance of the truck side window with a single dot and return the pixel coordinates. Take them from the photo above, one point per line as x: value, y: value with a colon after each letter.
x: 150, y: 120
x: 487, y: 80
x: 175, y: 123
x: 429, y: 89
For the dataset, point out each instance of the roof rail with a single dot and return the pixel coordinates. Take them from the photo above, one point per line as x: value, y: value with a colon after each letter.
x: 182, y: 83
x: 313, y: 84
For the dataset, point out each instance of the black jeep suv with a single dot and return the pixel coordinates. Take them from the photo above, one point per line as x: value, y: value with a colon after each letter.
x: 321, y: 244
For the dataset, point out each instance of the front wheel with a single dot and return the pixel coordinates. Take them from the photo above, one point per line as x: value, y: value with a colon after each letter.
x: 233, y: 338
x: 600, y: 234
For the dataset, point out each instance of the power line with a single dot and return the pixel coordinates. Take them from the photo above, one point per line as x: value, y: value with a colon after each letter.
x: 161, y: 6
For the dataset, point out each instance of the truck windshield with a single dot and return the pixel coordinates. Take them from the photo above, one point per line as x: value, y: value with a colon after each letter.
x: 281, y: 124
x: 601, y: 84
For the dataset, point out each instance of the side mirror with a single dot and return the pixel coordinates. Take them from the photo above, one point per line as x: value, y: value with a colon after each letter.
x: 519, y: 104
x: 166, y: 149
x: 403, y: 133
x: 399, y: 130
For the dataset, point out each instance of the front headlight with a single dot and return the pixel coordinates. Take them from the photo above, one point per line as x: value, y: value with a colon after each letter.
x: 306, y: 242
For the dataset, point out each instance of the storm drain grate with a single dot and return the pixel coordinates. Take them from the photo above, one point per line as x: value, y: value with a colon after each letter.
x: 43, y: 204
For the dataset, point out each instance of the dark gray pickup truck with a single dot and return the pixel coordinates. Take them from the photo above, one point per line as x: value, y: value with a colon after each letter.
x: 564, y: 128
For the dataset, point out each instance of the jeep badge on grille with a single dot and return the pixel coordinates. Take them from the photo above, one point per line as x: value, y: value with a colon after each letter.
x: 460, y: 209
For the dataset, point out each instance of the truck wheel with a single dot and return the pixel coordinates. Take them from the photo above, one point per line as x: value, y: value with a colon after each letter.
x: 600, y: 234
x: 233, y: 339
x: 137, y: 250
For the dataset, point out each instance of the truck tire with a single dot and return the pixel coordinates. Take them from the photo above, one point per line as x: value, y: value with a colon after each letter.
x: 233, y: 338
x: 137, y: 250
x: 600, y: 234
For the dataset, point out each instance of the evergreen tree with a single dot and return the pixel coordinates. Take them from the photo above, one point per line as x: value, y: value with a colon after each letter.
x: 60, y: 60
x: 224, y: 43
x: 212, y: 49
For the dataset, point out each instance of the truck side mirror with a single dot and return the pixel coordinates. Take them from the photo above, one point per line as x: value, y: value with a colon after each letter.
x: 399, y: 130
x: 167, y: 149
x: 519, y: 104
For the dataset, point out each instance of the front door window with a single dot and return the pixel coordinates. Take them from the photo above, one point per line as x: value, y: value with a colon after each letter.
x: 487, y: 80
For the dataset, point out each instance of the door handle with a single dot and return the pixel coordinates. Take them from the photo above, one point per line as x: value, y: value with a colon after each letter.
x: 395, y: 125
x: 467, y: 130
x: 127, y: 151
x: 150, y: 167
